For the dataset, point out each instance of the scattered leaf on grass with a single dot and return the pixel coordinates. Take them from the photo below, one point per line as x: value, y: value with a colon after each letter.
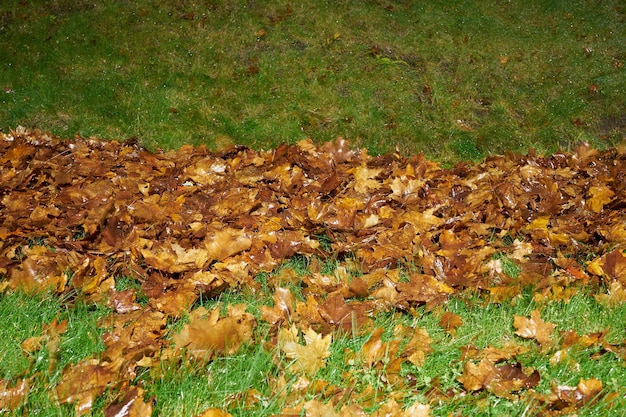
x: 131, y: 405
x: 534, y: 328
x: 191, y: 223
x: 13, y: 395
x: 202, y: 338
x: 311, y: 356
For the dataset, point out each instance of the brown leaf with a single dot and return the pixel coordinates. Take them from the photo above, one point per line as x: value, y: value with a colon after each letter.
x: 450, y: 321
x: 417, y: 410
x: 500, y: 380
x: 123, y: 301
x: 614, y: 265
x: 564, y: 397
x: 374, y: 349
x: 534, y: 328
x: 510, y: 378
x: 476, y: 377
x: 418, y: 346
x: 173, y: 258
x: 83, y: 382
x: 11, y: 397
x: 132, y: 405
x: 204, y: 338
x: 40, y: 271
x: 316, y: 408
x: 225, y: 243
x: 616, y: 295
x: 342, y: 315
x: 283, y: 307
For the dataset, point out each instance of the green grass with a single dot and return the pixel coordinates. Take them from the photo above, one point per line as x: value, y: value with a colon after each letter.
x: 24, y: 316
x: 457, y: 80
x: 248, y: 382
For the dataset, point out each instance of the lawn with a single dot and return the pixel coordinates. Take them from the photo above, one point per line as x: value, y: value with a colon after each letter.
x: 461, y: 252
x: 456, y: 80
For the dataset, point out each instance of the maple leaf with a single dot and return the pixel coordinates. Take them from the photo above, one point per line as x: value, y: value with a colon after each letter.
x: 188, y: 221
x: 205, y: 337
x: 498, y: 379
x: 316, y: 408
x: 450, y: 321
x: 534, y: 328
x: 616, y: 295
x: 599, y: 196
x: 417, y: 410
x: 11, y: 397
x: 311, y: 356
x: 225, y: 243
x: 40, y: 270
x: 51, y: 337
x: 418, y: 346
x: 614, y: 265
x: 283, y: 306
x: 374, y: 349
x: 83, y: 382
x: 123, y: 301
x: 564, y: 397
x: 521, y: 250
x: 476, y: 377
x: 364, y: 178
x: 173, y: 258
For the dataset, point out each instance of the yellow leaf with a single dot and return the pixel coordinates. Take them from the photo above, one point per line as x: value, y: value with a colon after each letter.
x: 600, y: 195
x: 309, y: 358
x: 226, y: 243
x: 417, y: 410
x: 595, y: 267
x: 540, y: 223
x: 214, y: 412
x: 364, y: 178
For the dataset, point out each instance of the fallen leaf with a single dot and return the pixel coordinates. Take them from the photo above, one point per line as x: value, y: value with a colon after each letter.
x: 311, y: 356
x: 204, y: 338
x: 417, y: 410
x: 214, y: 412
x: 599, y: 196
x: 13, y: 395
x: 534, y: 328
x: 501, y: 380
x: 450, y: 321
x: 131, y: 405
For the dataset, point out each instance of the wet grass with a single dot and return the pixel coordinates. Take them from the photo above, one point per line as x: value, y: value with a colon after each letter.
x: 456, y: 80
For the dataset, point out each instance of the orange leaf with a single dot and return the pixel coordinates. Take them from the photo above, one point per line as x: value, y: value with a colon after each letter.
x: 450, y: 321
x: 214, y: 412
x: 534, y: 328
x: 204, y: 338
x: 132, y: 405
x: 12, y: 397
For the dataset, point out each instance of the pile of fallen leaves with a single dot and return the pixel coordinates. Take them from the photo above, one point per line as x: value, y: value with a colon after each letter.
x: 79, y: 214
